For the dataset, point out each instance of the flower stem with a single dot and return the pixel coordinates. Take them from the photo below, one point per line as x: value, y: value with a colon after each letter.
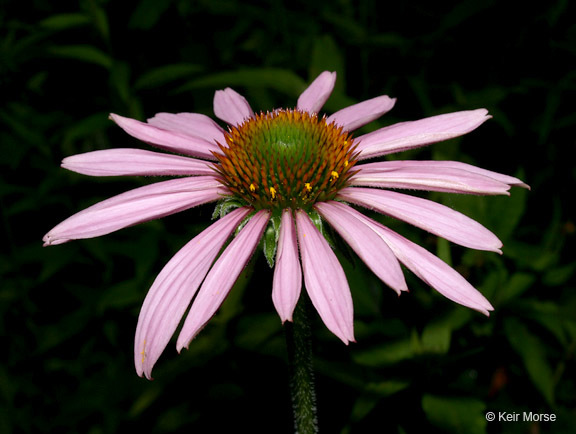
x: 299, y: 344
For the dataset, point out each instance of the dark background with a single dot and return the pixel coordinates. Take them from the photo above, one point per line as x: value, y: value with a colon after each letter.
x: 68, y: 313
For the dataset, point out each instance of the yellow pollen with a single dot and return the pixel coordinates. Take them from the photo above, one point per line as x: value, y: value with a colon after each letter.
x: 346, y: 163
x: 272, y: 192
x: 143, y: 353
x: 252, y: 188
x: 333, y: 175
x: 308, y: 187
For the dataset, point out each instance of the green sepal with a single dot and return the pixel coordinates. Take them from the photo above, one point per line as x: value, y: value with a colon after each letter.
x: 243, y: 223
x: 225, y: 206
x: 271, y: 239
x: 332, y: 237
x: 319, y: 223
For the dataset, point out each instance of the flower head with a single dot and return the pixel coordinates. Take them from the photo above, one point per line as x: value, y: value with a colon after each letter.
x: 286, y: 159
x: 289, y: 170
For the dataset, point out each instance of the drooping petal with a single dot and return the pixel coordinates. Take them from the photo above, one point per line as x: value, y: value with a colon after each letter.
x: 434, y: 271
x: 428, y: 176
x: 440, y: 165
x: 167, y: 140
x: 413, y: 134
x: 231, y: 107
x: 174, y: 288
x: 425, y: 214
x: 358, y: 115
x: 371, y: 249
x: 287, y: 282
x: 325, y: 280
x: 316, y: 95
x: 136, y: 206
x: 222, y: 277
x: 191, y: 124
x: 118, y: 162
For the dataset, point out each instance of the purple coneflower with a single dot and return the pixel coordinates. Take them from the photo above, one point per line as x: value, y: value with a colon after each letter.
x: 287, y: 170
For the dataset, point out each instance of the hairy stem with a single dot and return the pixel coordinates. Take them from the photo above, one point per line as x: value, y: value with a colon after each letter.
x: 299, y: 344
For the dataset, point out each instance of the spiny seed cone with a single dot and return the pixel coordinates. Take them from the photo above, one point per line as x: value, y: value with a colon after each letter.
x: 286, y: 159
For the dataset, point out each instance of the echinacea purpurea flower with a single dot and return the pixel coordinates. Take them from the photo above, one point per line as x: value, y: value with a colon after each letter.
x: 283, y: 170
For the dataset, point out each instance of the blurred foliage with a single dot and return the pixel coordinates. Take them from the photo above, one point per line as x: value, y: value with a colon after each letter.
x: 68, y: 313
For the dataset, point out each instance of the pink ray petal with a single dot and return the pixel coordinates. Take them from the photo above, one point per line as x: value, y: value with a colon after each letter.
x: 136, y: 206
x: 117, y: 162
x: 222, y: 277
x: 287, y: 282
x: 358, y: 115
x: 167, y: 140
x: 413, y: 134
x: 171, y: 293
x: 439, y: 164
x: 316, y: 95
x: 431, y: 216
x: 434, y: 271
x: 325, y: 280
x: 431, y: 177
x: 371, y: 249
x: 191, y: 124
x: 231, y: 107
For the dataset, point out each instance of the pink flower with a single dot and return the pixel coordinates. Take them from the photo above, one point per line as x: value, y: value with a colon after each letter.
x: 285, y: 168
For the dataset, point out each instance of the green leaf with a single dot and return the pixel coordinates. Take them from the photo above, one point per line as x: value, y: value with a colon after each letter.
x: 532, y: 351
x: 327, y: 56
x: 145, y: 399
x: 120, y: 295
x: 147, y: 14
x: 559, y: 275
x: 91, y: 125
x: 436, y: 336
x: 388, y: 353
x: 64, y: 21
x: 516, y: 286
x: 505, y: 212
x: 372, y: 394
x: 386, y: 388
x: 254, y: 331
x: 83, y: 53
x: 99, y: 18
x: 494, y: 281
x: 274, y: 78
x: 443, y: 250
x: 554, y: 316
x: 17, y: 122
x: 531, y: 255
x: 166, y: 74
x: 120, y: 80
x: 455, y: 414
